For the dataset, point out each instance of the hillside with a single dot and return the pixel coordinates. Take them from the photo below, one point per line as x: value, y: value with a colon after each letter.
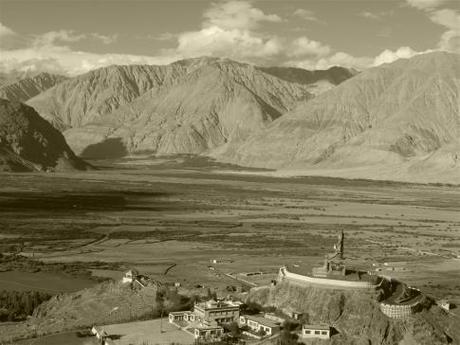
x: 84, y: 309
x: 356, y: 317
x: 395, y: 121
x: 190, y: 106
x: 26, y: 88
x: 28, y: 142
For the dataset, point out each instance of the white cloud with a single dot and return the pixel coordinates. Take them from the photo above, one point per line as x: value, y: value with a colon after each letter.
x: 5, y: 31
x: 336, y: 59
x: 447, y: 18
x: 425, y: 4
x: 53, y: 37
x: 388, y: 56
x: 63, y: 60
x: 106, y: 39
x: 69, y: 36
x: 235, y: 43
x: 230, y: 30
x: 450, y: 41
x: 237, y: 15
x: 369, y: 15
x: 305, y: 14
x: 303, y: 46
x: 450, y: 19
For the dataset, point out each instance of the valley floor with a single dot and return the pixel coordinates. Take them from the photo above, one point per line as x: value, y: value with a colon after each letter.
x: 169, y: 218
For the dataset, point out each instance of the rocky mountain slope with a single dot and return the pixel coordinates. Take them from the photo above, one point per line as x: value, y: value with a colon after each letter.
x: 105, y: 303
x: 28, y: 142
x: 394, y: 121
x: 190, y: 106
x: 24, y: 89
x: 356, y: 317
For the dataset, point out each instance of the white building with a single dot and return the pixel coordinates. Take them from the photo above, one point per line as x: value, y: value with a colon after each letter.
x: 444, y: 304
x: 260, y: 324
x: 176, y: 316
x: 213, y: 333
x: 316, y: 331
x: 130, y: 276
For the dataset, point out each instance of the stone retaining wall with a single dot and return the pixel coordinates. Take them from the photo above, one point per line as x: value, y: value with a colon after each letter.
x: 397, y: 311
x: 335, y: 283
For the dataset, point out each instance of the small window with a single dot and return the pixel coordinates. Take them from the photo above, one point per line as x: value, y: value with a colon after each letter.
x: 317, y: 332
x: 306, y: 331
x: 324, y: 332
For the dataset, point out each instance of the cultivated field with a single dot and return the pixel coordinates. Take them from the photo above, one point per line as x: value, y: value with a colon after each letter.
x: 170, y: 217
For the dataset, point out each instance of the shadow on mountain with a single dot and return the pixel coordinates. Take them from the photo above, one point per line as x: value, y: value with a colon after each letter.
x: 107, y: 149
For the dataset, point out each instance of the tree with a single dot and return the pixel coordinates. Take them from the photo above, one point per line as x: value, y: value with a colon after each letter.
x: 288, y: 338
x: 234, y: 330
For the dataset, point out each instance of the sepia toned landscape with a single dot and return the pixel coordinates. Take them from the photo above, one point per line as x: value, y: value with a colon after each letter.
x: 229, y: 172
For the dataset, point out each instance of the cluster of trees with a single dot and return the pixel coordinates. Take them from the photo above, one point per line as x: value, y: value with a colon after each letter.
x: 17, y: 305
x: 288, y: 334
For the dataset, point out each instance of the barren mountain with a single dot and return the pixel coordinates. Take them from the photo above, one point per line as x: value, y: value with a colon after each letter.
x: 24, y: 89
x: 395, y: 121
x: 189, y: 106
x: 85, y: 98
x: 28, y: 142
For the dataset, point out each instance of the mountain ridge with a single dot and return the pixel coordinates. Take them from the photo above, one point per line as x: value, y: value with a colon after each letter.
x: 23, y: 89
x: 30, y: 143
x: 394, y: 114
x: 189, y: 106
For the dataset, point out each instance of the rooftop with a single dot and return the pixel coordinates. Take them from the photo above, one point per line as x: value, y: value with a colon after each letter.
x: 262, y: 320
x: 317, y: 327
x: 211, y: 304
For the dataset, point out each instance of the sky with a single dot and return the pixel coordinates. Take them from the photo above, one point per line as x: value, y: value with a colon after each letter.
x: 74, y: 36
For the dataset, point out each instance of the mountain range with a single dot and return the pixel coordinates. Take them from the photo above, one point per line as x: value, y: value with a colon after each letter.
x: 394, y: 121
x: 25, y: 88
x: 190, y: 106
x: 30, y: 143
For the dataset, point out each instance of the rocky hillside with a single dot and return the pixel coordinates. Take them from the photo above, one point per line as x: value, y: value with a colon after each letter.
x: 102, y: 304
x: 394, y: 121
x: 28, y: 142
x: 190, y: 106
x: 24, y: 89
x: 356, y: 317
x: 106, y: 303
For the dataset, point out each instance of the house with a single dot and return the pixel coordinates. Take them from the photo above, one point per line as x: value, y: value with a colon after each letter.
x: 260, y: 324
x: 218, y: 311
x: 274, y: 317
x: 100, y: 333
x: 177, y: 316
x: 316, y: 331
x: 444, y: 304
x: 296, y: 315
x: 209, y: 333
x: 209, y: 313
x: 130, y: 276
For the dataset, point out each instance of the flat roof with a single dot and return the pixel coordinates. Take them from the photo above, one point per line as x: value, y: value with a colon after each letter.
x: 207, y: 328
x: 180, y: 312
x: 262, y: 320
x: 216, y: 305
x: 317, y: 327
